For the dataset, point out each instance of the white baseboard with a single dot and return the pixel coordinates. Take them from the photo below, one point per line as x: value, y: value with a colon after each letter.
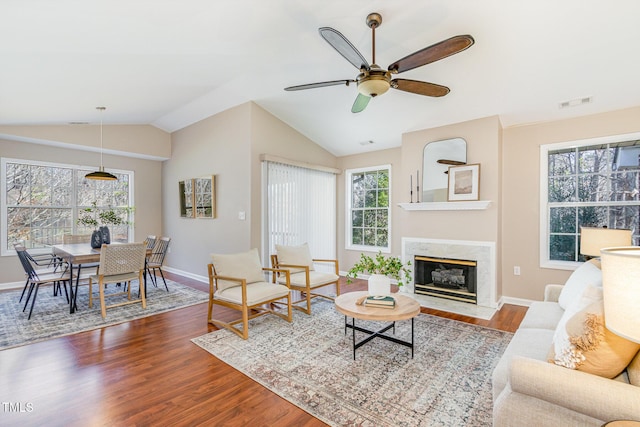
x: 203, y: 279
x: 516, y: 301
x: 12, y: 285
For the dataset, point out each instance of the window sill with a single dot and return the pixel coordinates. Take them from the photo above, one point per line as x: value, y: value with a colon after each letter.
x: 447, y: 206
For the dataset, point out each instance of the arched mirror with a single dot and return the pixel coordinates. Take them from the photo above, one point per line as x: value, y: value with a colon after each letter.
x: 436, y: 159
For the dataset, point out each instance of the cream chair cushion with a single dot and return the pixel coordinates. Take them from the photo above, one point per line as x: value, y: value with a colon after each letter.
x: 316, y: 279
x: 295, y: 255
x: 257, y: 292
x: 244, y: 265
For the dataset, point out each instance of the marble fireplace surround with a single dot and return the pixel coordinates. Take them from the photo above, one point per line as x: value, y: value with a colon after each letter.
x: 484, y: 253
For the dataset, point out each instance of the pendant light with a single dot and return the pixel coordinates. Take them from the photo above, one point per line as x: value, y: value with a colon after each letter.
x: 100, y: 173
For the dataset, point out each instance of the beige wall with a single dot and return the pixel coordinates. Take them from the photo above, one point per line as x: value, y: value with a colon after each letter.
x: 521, y: 189
x: 147, y: 189
x: 229, y: 146
x: 483, y: 146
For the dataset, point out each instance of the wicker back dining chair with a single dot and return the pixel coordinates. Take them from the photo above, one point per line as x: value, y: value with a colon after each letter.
x: 36, y: 279
x: 118, y: 264
x: 156, y: 259
x: 304, y: 278
x: 70, y: 239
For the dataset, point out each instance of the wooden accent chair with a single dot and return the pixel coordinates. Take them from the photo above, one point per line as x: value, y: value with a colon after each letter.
x: 237, y: 281
x: 36, y: 279
x: 119, y: 263
x: 304, y: 278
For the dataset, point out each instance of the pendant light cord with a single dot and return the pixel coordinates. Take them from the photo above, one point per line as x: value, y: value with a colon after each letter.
x: 101, y: 115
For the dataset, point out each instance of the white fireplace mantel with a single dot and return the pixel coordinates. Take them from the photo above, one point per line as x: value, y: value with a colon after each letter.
x: 447, y: 206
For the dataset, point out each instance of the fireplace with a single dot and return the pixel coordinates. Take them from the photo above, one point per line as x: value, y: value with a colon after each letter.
x: 483, y: 253
x: 445, y: 278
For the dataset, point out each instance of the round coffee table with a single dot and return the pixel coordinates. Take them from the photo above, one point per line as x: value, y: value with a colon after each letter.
x: 405, y: 308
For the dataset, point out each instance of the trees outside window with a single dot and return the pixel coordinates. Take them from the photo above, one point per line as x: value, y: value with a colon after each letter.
x: 368, y: 208
x: 594, y: 184
x: 42, y: 201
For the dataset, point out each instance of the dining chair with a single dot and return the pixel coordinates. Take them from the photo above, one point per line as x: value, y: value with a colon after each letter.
x: 237, y: 281
x: 36, y: 279
x: 156, y: 259
x: 42, y: 263
x: 150, y: 241
x: 118, y: 264
x: 304, y: 278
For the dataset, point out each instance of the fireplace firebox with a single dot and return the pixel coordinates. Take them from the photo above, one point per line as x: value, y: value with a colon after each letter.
x: 445, y: 278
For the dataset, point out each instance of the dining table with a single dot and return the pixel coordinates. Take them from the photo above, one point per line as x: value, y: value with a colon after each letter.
x: 78, y: 254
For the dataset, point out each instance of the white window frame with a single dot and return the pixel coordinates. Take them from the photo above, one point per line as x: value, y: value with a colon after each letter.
x: 348, y: 210
x: 545, y: 262
x: 4, y: 251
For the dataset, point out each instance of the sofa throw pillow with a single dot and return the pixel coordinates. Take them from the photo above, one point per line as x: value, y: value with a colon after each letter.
x: 588, y: 273
x: 295, y: 255
x: 589, y: 295
x: 244, y: 265
x: 595, y: 349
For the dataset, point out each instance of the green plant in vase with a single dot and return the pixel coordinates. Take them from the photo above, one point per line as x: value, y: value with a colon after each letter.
x: 380, y: 269
x: 94, y: 217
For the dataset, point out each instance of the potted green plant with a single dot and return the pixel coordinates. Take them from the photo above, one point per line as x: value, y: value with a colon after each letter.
x: 93, y: 217
x: 381, y: 270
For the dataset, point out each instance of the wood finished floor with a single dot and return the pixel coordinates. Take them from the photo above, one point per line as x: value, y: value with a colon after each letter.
x: 148, y: 373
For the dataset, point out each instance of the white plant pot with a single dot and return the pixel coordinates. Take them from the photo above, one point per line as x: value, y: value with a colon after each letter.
x: 379, y: 285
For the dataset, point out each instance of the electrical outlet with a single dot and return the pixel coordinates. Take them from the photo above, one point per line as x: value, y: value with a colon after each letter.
x: 516, y: 270
x: 242, y: 215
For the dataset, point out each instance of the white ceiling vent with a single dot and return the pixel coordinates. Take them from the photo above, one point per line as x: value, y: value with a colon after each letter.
x: 576, y: 102
x: 369, y: 142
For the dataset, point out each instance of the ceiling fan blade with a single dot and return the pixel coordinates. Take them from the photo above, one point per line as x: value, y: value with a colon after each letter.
x: 421, y: 88
x: 344, y: 47
x: 320, y: 84
x: 360, y: 103
x: 432, y: 53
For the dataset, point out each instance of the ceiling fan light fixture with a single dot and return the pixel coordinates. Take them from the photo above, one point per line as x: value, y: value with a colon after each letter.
x: 374, y: 82
x: 100, y: 174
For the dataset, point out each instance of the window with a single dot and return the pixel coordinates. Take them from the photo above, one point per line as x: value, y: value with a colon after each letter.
x: 594, y: 183
x: 299, y: 207
x: 41, y: 202
x: 368, y: 213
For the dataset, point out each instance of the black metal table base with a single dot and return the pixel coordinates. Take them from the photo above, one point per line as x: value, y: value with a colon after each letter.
x: 373, y: 334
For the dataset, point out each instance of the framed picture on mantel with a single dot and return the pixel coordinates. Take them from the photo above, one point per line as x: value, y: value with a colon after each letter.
x: 464, y: 183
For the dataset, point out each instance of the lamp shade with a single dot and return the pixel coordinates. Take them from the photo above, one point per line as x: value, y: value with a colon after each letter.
x: 621, y: 290
x: 592, y: 239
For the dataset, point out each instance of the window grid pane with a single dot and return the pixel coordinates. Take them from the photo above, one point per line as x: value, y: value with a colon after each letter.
x: 41, y: 202
x: 591, y: 186
x: 369, y: 209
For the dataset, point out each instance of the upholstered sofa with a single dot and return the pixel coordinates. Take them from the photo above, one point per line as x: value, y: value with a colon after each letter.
x: 531, y: 388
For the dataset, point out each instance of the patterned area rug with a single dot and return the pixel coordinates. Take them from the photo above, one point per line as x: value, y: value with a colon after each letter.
x: 51, y: 317
x: 310, y: 363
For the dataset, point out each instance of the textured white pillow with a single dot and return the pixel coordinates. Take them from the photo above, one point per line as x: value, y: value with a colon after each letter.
x: 587, y: 274
x: 295, y: 255
x: 244, y: 265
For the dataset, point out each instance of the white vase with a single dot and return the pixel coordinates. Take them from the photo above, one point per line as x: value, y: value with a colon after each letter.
x: 379, y: 285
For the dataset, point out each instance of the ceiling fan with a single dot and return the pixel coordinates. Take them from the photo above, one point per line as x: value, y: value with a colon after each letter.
x: 373, y: 80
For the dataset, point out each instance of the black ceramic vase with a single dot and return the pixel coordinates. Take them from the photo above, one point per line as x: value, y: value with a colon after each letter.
x: 106, y: 235
x: 96, y: 239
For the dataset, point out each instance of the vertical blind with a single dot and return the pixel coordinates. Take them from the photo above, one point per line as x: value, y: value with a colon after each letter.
x: 299, y: 207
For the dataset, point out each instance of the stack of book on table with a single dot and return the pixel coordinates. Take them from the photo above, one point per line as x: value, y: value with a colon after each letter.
x: 382, y: 301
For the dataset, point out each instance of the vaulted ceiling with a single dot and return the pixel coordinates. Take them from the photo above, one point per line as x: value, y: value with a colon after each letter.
x: 170, y: 63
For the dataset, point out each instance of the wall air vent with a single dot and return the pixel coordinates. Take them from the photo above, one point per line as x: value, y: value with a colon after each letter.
x: 576, y: 102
